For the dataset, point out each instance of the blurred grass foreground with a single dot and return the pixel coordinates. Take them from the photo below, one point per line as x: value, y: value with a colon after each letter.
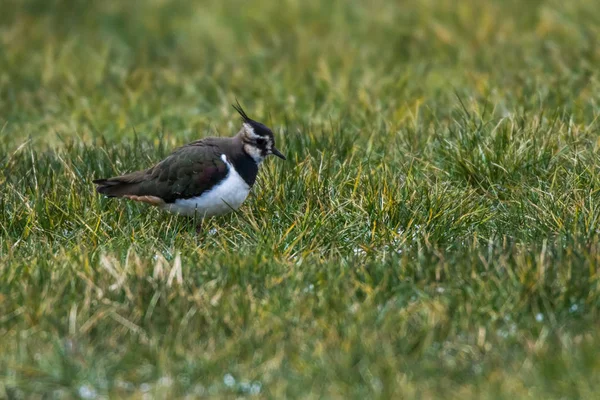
x: 433, y: 234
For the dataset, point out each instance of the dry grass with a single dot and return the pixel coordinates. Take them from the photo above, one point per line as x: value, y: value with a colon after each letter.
x: 434, y: 232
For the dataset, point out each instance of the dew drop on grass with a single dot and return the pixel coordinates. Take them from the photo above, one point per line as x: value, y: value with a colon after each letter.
x: 87, y: 392
x: 358, y: 251
x: 539, y: 317
x: 229, y: 380
x: 145, y: 387
x: 255, y: 388
x: 574, y: 308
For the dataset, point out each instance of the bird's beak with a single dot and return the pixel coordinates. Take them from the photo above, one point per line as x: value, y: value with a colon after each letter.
x: 277, y: 153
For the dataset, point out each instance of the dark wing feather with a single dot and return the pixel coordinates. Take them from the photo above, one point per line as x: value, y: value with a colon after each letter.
x: 188, y: 172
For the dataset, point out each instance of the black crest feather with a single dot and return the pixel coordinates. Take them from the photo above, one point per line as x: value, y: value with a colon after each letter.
x: 241, y: 111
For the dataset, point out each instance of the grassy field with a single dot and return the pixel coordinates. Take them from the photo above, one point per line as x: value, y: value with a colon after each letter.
x: 433, y: 234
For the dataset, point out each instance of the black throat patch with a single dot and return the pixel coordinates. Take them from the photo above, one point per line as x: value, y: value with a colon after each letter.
x: 245, y: 166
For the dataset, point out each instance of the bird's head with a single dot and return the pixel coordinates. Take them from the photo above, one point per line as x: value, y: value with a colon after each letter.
x: 258, y: 140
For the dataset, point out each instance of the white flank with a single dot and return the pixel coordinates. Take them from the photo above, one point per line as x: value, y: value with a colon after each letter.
x: 227, y: 195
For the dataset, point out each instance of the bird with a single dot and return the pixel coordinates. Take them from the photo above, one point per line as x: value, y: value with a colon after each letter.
x: 205, y: 178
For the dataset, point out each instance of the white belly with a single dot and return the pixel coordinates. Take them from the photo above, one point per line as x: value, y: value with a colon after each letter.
x: 228, y: 195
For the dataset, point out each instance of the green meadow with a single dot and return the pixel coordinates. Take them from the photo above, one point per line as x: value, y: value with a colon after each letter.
x: 434, y: 232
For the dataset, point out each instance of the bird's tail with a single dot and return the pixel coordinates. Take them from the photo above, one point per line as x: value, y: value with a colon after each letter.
x: 117, y: 187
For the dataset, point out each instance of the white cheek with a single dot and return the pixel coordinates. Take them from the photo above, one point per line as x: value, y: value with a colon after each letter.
x: 254, y: 153
x: 250, y: 132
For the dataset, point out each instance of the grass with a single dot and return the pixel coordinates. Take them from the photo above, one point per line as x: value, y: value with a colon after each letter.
x: 433, y: 234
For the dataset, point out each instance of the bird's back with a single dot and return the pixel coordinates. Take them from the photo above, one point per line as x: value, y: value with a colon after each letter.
x: 187, y: 172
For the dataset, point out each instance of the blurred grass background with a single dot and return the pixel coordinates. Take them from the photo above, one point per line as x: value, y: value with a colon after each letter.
x: 433, y: 234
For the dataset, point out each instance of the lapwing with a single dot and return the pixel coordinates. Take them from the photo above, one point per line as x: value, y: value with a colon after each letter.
x: 205, y: 178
